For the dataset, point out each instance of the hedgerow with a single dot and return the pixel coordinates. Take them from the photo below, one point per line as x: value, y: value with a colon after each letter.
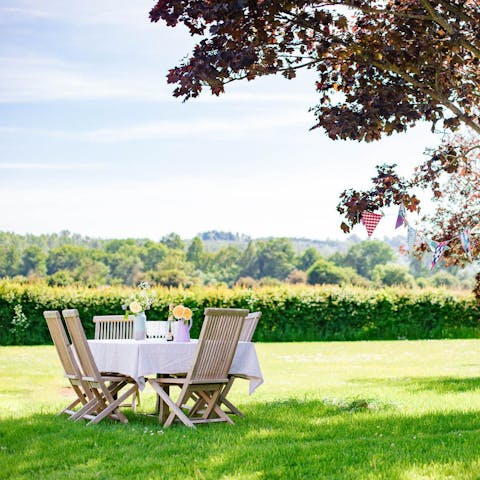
x: 290, y: 313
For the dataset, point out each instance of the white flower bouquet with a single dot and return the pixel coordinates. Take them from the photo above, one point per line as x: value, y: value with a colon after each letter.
x: 140, y: 301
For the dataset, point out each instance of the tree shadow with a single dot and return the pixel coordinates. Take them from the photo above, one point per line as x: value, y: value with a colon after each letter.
x: 437, y: 384
x: 276, y: 440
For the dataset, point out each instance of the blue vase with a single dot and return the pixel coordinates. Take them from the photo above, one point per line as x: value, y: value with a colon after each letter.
x: 140, y: 326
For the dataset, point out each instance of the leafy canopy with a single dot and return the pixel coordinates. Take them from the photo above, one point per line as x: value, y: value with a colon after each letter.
x: 381, y: 66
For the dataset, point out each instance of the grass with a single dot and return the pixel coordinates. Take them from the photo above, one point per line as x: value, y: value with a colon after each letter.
x: 365, y: 410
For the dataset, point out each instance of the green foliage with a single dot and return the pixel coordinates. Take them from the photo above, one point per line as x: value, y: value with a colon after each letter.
x: 323, y: 272
x: 9, y: 260
x: 152, y: 254
x: 173, y: 241
x: 293, y: 313
x: 272, y: 258
x: 62, y: 278
x: 195, y: 253
x: 91, y: 273
x: 309, y: 256
x: 65, y: 259
x: 171, y: 278
x: 34, y: 261
x: 365, y: 256
x: 443, y: 279
x: 391, y: 275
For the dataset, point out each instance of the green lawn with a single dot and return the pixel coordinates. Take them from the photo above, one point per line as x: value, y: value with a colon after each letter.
x: 365, y: 410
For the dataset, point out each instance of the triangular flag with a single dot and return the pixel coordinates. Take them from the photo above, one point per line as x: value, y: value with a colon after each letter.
x: 441, y: 246
x: 431, y: 243
x: 465, y: 239
x: 411, y: 238
x: 401, y: 216
x: 370, y: 220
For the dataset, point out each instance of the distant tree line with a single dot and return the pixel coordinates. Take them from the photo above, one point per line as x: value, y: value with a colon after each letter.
x: 64, y: 259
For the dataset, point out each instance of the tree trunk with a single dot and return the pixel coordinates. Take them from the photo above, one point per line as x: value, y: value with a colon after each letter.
x: 476, y: 289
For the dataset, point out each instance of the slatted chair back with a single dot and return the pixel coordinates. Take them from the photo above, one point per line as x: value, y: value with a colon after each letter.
x: 79, y: 340
x: 249, y: 326
x: 217, y: 344
x: 113, y: 327
x: 62, y: 344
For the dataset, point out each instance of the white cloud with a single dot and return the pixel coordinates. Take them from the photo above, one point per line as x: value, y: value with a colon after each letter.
x: 43, y: 79
x: 225, y: 128
x: 64, y: 166
x: 91, y: 12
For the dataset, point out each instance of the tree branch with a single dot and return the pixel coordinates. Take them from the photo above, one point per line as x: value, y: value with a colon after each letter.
x: 448, y: 28
x: 388, y: 67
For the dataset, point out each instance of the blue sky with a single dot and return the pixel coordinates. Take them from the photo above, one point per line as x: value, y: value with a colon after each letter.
x: 92, y: 141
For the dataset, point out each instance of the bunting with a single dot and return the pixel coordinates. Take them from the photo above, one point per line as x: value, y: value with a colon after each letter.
x: 411, y: 238
x: 370, y: 220
x: 440, y: 248
x: 465, y: 239
x: 432, y: 244
x: 401, y: 216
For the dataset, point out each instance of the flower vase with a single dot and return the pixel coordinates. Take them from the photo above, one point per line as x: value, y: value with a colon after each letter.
x: 183, y: 331
x: 140, y: 326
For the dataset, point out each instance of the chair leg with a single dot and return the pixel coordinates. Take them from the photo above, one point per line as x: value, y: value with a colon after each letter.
x: 98, y: 403
x: 232, y: 408
x: 68, y: 410
x: 227, y: 388
x: 176, y: 411
x: 199, y: 403
x: 89, y: 407
x: 212, y: 406
x: 113, y: 407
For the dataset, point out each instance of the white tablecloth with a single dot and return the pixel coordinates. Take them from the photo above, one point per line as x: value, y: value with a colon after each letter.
x: 149, y: 357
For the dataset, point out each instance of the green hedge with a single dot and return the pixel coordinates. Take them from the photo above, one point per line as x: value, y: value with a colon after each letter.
x: 289, y: 313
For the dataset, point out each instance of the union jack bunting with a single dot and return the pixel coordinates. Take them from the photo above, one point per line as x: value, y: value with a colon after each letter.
x: 465, y: 239
x: 441, y: 246
x: 401, y: 216
x: 370, y: 220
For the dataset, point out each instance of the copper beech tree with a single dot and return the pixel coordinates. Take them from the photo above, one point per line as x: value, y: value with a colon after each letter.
x: 379, y: 67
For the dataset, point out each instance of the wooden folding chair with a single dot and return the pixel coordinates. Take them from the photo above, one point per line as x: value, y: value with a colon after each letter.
x: 113, y: 327
x: 68, y: 361
x: 209, y: 372
x: 249, y: 326
x: 107, y: 399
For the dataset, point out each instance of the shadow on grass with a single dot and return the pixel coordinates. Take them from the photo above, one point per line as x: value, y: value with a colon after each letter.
x: 437, y: 384
x: 276, y: 440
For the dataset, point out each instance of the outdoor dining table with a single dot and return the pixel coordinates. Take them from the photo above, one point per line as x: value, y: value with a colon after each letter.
x: 140, y: 358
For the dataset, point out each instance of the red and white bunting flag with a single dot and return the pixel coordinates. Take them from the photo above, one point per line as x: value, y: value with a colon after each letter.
x: 370, y: 220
